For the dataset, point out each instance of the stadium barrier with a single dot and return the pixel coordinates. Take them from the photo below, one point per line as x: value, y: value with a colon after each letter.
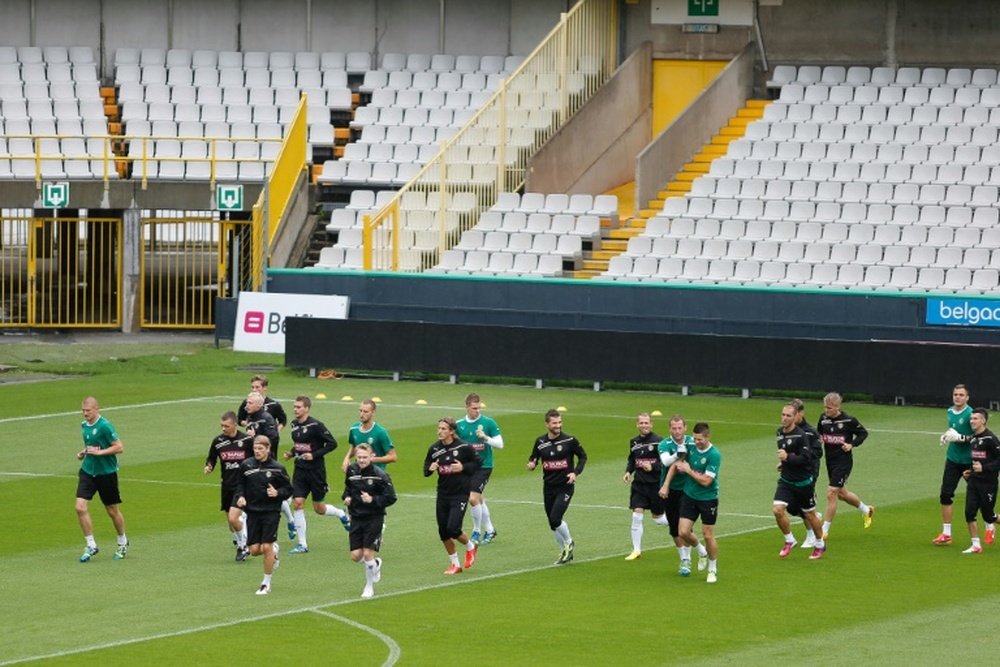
x: 566, y: 69
x: 887, y: 370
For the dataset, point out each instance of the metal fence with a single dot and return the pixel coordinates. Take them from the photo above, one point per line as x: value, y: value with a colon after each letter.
x: 490, y: 154
x: 61, y: 272
x: 188, y: 260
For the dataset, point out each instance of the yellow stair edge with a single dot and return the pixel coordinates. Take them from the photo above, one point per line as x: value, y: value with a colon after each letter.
x: 750, y: 113
x: 733, y: 131
x: 623, y: 234
x: 757, y: 104
x: 696, y: 167
x: 721, y: 140
x: 594, y: 265
x: 739, y: 121
x: 685, y: 177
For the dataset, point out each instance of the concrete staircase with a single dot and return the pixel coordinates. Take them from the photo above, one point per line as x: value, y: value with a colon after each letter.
x: 615, y: 236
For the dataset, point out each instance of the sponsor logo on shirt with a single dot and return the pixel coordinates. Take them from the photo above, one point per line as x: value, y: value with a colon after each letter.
x: 557, y: 464
x: 237, y: 455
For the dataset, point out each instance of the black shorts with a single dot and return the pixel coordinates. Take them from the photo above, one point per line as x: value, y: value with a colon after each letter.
x: 228, y: 499
x: 981, y: 498
x: 646, y: 496
x: 262, y: 527
x: 706, y: 510
x: 797, y: 499
x: 479, y: 480
x: 104, y: 485
x: 450, y: 515
x: 307, y: 481
x: 672, y: 508
x: 556, y: 501
x: 839, y: 469
x: 950, y: 478
x: 366, y: 532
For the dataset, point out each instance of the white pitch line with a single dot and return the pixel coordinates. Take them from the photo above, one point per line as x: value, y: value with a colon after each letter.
x: 335, y: 603
x: 394, y: 650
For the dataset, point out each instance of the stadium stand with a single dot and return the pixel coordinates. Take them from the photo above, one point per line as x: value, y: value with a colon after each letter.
x: 854, y: 178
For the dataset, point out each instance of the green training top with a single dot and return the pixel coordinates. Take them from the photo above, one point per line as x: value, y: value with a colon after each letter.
x: 377, y: 437
x: 466, y: 432
x: 670, y: 447
x: 99, y: 434
x: 960, y: 452
x: 703, y: 461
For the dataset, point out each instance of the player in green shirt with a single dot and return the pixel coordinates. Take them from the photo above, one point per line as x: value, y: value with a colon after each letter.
x: 99, y: 474
x: 366, y: 431
x: 957, y: 460
x: 483, y: 434
x: 701, y: 494
x: 674, y: 448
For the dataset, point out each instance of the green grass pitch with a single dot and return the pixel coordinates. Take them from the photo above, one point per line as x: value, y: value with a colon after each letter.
x: 880, y: 596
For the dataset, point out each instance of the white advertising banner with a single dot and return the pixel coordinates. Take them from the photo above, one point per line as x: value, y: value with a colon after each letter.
x: 260, y: 317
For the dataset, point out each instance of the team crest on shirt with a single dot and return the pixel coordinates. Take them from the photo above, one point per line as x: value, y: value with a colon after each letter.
x: 703, y: 459
x: 371, y: 482
x: 788, y: 441
x: 268, y: 475
x: 840, y: 427
x: 371, y: 441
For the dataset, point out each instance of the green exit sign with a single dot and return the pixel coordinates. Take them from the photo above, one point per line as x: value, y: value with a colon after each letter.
x: 229, y: 197
x: 703, y: 7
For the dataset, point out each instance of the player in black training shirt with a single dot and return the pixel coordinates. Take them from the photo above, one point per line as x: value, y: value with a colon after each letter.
x: 644, y: 470
x: 981, y: 492
x: 454, y: 462
x: 263, y: 485
x: 796, y: 485
x: 367, y: 492
x: 841, y: 435
x: 816, y: 446
x: 311, y: 442
x: 258, y: 383
x: 261, y: 422
x: 232, y: 448
x: 563, y: 460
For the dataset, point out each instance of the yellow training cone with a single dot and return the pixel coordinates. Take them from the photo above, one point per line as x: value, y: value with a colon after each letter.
x: 376, y: 399
x: 561, y: 408
x: 320, y: 397
x: 421, y: 401
x: 655, y: 413
x: 347, y: 398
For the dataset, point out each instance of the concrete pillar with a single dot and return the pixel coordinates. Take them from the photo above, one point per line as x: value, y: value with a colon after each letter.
x: 131, y: 283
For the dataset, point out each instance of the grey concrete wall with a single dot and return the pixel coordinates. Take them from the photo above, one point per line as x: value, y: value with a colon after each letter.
x: 205, y: 25
x: 66, y: 23
x: 595, y: 151
x: 686, y: 135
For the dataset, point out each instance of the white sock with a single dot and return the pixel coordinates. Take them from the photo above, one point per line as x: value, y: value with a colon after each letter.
x: 661, y: 520
x: 333, y: 511
x: 243, y: 529
x: 975, y: 542
x: 286, y: 509
x: 487, y: 523
x: 863, y: 508
x: 564, y: 531
x: 990, y: 526
x: 820, y: 544
x: 810, y: 534
x: 713, y: 565
x: 826, y: 527
x: 267, y: 580
x: 470, y: 545
x: 559, y: 539
x: 370, y: 567
x: 122, y: 540
x: 790, y: 538
x: 685, y: 552
x: 477, y: 518
x: 454, y: 559
x: 300, y: 526
x: 702, y: 551
x: 636, y: 531
x: 946, y: 529
x: 91, y: 542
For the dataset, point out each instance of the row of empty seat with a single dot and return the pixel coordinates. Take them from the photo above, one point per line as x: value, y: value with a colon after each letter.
x: 852, y: 276
x: 882, y: 76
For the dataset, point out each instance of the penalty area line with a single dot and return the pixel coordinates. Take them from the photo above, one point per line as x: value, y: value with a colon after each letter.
x: 394, y: 650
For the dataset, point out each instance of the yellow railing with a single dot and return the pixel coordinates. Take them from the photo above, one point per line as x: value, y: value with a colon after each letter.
x: 490, y: 154
x: 45, y: 160
x: 278, y: 190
